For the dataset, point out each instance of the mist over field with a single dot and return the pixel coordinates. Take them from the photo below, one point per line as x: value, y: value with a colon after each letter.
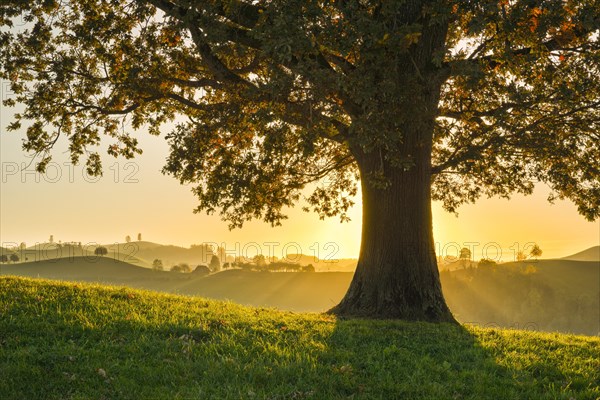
x: 561, y: 295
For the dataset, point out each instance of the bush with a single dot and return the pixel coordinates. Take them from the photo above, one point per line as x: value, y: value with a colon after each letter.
x: 101, y: 251
x: 181, y: 267
x: 201, y: 270
x: 308, y: 268
x: 486, y: 263
x: 157, y: 265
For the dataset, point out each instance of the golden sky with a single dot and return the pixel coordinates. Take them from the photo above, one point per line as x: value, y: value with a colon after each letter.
x: 134, y: 197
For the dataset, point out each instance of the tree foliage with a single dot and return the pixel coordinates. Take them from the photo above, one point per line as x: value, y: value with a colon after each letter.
x: 536, y: 251
x: 215, y: 263
x: 270, y: 96
x: 157, y: 265
x: 101, y: 251
x: 202, y: 270
x: 465, y: 254
x: 181, y: 267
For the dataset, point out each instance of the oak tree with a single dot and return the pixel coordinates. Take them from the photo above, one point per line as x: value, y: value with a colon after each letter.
x: 413, y: 100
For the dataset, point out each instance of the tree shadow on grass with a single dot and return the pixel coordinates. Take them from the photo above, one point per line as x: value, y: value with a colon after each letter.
x: 411, y: 360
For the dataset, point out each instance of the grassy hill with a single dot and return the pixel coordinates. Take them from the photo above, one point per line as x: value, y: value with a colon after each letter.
x: 591, y: 254
x: 54, y: 251
x: 547, y: 295
x: 295, y: 291
x: 77, y: 341
x: 92, y: 269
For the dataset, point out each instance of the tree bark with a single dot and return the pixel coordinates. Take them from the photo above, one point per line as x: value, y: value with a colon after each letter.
x: 397, y: 274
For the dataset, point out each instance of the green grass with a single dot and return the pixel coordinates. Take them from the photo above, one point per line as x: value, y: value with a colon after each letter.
x: 80, y: 341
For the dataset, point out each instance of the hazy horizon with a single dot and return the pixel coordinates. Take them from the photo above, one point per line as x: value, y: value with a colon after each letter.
x: 134, y: 197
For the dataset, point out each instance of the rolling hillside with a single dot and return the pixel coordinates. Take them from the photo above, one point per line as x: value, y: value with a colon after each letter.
x: 571, y: 276
x: 93, y: 269
x: 53, y: 251
x: 294, y: 291
x: 591, y: 254
x: 548, y: 295
x: 80, y: 341
x: 285, y: 290
x: 168, y: 254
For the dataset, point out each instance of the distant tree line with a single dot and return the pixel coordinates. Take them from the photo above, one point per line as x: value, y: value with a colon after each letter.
x: 277, y: 266
x: 258, y: 263
x: 4, y: 258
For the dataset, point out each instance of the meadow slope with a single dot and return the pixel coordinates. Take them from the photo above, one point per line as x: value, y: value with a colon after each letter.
x: 76, y: 341
x: 545, y: 295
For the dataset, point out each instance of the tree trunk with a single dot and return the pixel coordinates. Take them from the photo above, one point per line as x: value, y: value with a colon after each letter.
x: 397, y: 274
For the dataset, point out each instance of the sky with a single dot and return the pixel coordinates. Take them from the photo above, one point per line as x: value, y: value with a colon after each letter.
x: 134, y: 197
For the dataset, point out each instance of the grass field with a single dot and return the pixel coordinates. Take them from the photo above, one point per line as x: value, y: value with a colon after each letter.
x: 80, y: 341
x: 561, y: 296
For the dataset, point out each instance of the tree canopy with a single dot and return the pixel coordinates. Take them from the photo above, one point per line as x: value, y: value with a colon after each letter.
x: 100, y: 251
x: 419, y: 100
x: 269, y: 96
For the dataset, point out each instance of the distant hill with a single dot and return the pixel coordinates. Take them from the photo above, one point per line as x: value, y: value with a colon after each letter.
x: 572, y: 276
x: 143, y: 253
x: 4, y: 250
x: 455, y: 265
x: 591, y: 254
x: 324, y: 265
x: 54, y: 251
x: 140, y: 245
x: 295, y: 291
x: 170, y: 255
x: 550, y: 295
x: 91, y: 269
x: 140, y: 253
